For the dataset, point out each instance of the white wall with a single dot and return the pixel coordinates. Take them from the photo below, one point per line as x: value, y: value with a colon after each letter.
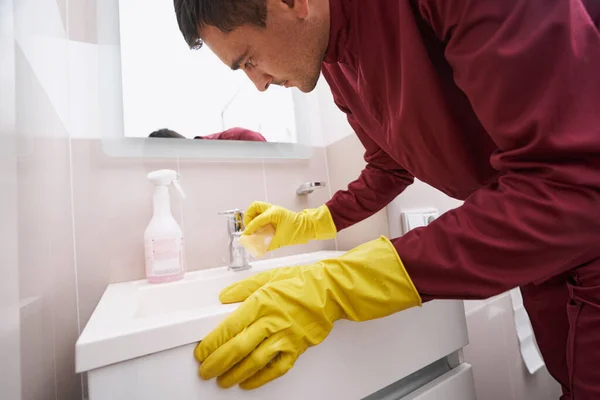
x: 334, y: 123
x: 418, y: 195
x: 10, y: 371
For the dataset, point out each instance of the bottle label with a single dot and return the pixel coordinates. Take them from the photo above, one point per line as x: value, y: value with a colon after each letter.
x: 164, y: 256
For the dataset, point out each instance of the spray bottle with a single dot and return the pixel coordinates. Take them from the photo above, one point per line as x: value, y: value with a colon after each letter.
x: 163, y: 238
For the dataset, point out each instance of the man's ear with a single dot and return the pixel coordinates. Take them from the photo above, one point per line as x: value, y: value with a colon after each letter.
x: 299, y: 6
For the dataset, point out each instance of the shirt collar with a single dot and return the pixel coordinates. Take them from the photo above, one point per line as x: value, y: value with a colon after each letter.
x: 338, y: 29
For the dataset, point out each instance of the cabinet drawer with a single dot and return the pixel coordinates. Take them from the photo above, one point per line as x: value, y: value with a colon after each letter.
x: 454, y: 385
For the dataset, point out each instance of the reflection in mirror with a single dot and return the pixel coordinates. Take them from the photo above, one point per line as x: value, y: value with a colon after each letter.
x: 229, y: 134
x: 172, y: 91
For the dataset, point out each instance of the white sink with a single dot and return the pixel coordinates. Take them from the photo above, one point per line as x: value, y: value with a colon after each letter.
x: 137, y: 318
x: 140, y: 339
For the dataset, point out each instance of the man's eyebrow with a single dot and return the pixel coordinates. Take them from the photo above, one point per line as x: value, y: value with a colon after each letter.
x: 235, y: 65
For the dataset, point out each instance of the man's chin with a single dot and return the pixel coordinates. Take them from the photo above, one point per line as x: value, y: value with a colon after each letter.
x: 307, y: 87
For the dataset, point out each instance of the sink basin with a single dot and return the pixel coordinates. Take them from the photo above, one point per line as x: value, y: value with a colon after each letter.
x: 140, y: 340
x: 136, y: 318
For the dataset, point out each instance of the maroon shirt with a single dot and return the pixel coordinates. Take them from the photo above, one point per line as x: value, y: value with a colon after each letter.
x: 495, y: 102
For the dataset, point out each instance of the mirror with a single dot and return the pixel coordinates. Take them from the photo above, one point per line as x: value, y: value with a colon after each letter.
x: 170, y: 92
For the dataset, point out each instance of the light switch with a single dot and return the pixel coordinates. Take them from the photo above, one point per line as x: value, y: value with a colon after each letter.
x: 418, y: 218
x: 415, y: 220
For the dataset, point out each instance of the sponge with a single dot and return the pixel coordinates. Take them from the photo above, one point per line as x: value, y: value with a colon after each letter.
x: 258, y: 243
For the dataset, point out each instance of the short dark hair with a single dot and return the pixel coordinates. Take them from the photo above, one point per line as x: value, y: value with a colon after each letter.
x: 166, y: 133
x: 225, y: 15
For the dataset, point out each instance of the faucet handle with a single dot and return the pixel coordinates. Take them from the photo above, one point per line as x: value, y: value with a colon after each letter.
x: 235, y: 220
x: 309, y: 187
x: 234, y: 211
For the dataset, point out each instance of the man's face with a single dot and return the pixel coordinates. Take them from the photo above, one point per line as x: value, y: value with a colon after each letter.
x: 288, y: 52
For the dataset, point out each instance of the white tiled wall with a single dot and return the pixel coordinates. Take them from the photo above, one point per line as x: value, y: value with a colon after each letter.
x: 10, y: 370
x: 84, y: 90
x: 345, y: 162
x: 47, y: 276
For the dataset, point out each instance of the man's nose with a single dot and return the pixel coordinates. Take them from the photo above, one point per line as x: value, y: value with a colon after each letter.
x: 260, y: 80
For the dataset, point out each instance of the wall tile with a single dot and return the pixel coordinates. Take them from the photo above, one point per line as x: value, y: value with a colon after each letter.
x: 113, y: 206
x: 46, y: 253
x: 10, y: 378
x: 417, y: 196
x: 82, y: 20
x: 62, y: 6
x: 61, y: 256
x: 37, y: 350
x: 333, y: 121
x: 87, y: 118
x: 282, y: 180
x: 345, y: 161
x: 213, y: 187
x: 47, y: 272
x: 47, y: 263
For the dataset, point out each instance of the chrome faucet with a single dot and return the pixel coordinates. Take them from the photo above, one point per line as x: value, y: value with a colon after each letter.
x: 239, y: 259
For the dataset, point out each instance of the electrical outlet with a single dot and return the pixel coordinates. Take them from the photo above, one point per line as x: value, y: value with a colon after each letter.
x: 417, y: 218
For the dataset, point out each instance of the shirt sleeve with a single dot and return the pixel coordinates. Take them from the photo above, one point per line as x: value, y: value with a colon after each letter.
x: 531, y: 70
x: 380, y: 182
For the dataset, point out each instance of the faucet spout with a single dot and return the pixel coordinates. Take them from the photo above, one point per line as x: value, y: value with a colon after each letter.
x: 239, y: 259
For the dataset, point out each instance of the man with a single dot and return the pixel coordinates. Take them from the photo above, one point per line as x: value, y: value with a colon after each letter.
x: 229, y: 134
x: 492, y: 102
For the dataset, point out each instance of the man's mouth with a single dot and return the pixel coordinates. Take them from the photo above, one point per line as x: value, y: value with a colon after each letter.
x: 285, y: 83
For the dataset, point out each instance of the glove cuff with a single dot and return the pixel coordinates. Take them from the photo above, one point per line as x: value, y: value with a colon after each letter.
x: 413, y: 296
x: 323, y: 226
x: 374, y: 281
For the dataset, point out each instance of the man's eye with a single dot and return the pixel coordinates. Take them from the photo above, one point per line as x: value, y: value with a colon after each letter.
x: 248, y: 63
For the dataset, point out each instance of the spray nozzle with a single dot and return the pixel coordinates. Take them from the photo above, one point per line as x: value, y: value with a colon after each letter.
x: 178, y: 187
x: 165, y: 177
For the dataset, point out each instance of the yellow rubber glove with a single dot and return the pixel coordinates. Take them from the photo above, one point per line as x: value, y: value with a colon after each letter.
x: 287, y: 310
x: 290, y: 227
